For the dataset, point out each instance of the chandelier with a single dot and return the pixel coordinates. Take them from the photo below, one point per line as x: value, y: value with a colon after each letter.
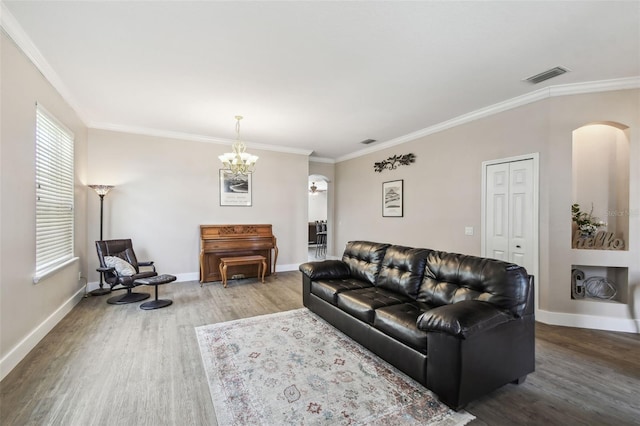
x: 238, y: 162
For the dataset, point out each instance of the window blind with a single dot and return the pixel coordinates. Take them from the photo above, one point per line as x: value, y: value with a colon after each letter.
x: 54, y: 193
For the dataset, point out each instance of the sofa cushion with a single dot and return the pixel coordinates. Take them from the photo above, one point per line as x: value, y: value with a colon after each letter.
x: 363, y: 259
x: 363, y: 302
x: 400, y: 322
x: 451, y: 278
x: 402, y: 269
x: 328, y: 290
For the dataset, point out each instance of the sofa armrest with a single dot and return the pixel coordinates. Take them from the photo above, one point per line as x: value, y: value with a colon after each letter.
x: 463, y: 319
x: 325, y: 270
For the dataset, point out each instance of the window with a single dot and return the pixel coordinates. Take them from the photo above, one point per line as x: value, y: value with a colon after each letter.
x: 54, y: 194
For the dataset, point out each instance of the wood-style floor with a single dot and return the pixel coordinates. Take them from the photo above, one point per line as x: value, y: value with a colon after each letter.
x: 120, y: 365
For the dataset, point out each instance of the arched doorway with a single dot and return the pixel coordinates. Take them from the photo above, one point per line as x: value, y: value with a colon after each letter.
x: 318, y: 213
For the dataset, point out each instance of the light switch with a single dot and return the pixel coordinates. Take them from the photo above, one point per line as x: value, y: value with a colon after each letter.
x: 468, y: 230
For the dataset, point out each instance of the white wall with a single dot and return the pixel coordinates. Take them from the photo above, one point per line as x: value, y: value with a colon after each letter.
x: 442, y: 191
x: 317, y: 206
x: 166, y: 188
x: 27, y: 310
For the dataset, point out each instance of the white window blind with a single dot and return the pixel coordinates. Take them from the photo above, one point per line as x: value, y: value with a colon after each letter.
x: 54, y: 194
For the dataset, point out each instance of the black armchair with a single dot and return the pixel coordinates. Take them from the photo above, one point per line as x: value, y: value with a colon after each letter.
x: 120, y: 269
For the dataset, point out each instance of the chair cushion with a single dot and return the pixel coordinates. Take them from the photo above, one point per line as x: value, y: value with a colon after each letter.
x: 127, y: 281
x: 363, y: 302
x: 400, y: 322
x: 121, y: 266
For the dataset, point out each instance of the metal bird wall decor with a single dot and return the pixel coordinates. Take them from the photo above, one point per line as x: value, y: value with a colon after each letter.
x: 392, y: 163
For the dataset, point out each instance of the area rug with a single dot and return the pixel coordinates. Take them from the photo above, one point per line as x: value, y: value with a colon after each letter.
x: 293, y: 368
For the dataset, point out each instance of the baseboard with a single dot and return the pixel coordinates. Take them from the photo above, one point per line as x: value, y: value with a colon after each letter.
x: 21, y: 350
x: 195, y: 276
x: 286, y: 268
x: 625, y: 325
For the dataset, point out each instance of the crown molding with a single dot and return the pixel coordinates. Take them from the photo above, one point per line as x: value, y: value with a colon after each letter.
x: 595, y: 86
x: 145, y: 131
x: 537, y: 95
x: 22, y: 40
x: 322, y: 160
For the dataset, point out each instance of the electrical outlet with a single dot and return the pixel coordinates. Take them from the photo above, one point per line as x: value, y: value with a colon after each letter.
x: 468, y: 230
x: 79, y: 275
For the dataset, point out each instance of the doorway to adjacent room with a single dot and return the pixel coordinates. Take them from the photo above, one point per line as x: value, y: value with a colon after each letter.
x: 318, y: 214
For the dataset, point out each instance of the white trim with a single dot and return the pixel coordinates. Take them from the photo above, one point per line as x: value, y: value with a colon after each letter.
x: 15, y: 31
x: 287, y: 268
x: 595, y: 86
x: 625, y: 325
x: 187, y: 276
x: 322, y: 160
x: 24, y: 42
x: 17, y: 354
x: 195, y: 276
x: 536, y: 214
x: 145, y: 131
x: 49, y: 272
x: 518, y: 101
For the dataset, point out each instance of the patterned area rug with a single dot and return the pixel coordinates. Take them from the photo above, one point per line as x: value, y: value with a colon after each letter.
x: 293, y: 368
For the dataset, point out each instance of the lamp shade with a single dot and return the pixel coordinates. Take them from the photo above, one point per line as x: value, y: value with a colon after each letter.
x: 101, y: 190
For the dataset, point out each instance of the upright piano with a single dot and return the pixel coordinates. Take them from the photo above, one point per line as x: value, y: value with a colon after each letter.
x: 218, y: 241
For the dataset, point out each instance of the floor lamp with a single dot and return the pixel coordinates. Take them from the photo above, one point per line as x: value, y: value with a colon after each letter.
x: 101, y: 190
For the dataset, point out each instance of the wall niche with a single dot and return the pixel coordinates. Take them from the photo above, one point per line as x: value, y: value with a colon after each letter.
x: 600, y: 183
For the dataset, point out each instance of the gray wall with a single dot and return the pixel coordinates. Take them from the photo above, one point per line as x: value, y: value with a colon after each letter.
x: 442, y: 192
x: 166, y: 188
x: 28, y: 310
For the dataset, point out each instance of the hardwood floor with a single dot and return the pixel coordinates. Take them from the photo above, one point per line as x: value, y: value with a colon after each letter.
x: 120, y: 365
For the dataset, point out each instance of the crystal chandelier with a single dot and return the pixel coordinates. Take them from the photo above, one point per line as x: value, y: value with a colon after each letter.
x: 238, y: 162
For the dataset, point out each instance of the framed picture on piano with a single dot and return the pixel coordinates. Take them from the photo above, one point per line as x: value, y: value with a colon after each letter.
x: 235, y: 190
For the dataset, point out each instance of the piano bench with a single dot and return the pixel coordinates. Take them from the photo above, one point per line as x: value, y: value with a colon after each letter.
x: 261, y: 261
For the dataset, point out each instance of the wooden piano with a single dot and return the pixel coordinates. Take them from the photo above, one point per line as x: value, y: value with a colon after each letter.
x: 218, y: 241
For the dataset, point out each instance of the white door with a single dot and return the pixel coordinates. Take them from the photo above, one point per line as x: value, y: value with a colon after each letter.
x: 509, y: 212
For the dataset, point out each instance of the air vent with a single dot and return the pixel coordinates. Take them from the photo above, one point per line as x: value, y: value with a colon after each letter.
x: 546, y: 75
x: 367, y: 141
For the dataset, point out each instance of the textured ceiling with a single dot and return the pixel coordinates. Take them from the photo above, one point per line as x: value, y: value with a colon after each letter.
x: 316, y: 76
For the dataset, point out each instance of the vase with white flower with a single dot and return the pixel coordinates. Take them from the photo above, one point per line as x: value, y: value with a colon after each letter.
x: 585, y: 223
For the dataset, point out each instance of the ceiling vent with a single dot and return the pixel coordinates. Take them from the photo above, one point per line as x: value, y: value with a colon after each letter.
x: 367, y: 141
x: 546, y: 75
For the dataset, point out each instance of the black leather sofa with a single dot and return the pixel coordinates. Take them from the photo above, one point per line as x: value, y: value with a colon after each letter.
x: 460, y: 325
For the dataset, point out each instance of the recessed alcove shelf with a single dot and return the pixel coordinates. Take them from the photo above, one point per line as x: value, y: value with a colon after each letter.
x: 600, y: 180
x: 616, y: 275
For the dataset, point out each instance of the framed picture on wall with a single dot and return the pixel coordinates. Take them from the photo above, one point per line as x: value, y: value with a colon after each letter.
x: 235, y: 190
x: 392, y: 198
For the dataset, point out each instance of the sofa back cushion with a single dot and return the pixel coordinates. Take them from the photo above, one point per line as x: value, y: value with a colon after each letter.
x: 363, y: 259
x: 401, y: 270
x: 450, y: 278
